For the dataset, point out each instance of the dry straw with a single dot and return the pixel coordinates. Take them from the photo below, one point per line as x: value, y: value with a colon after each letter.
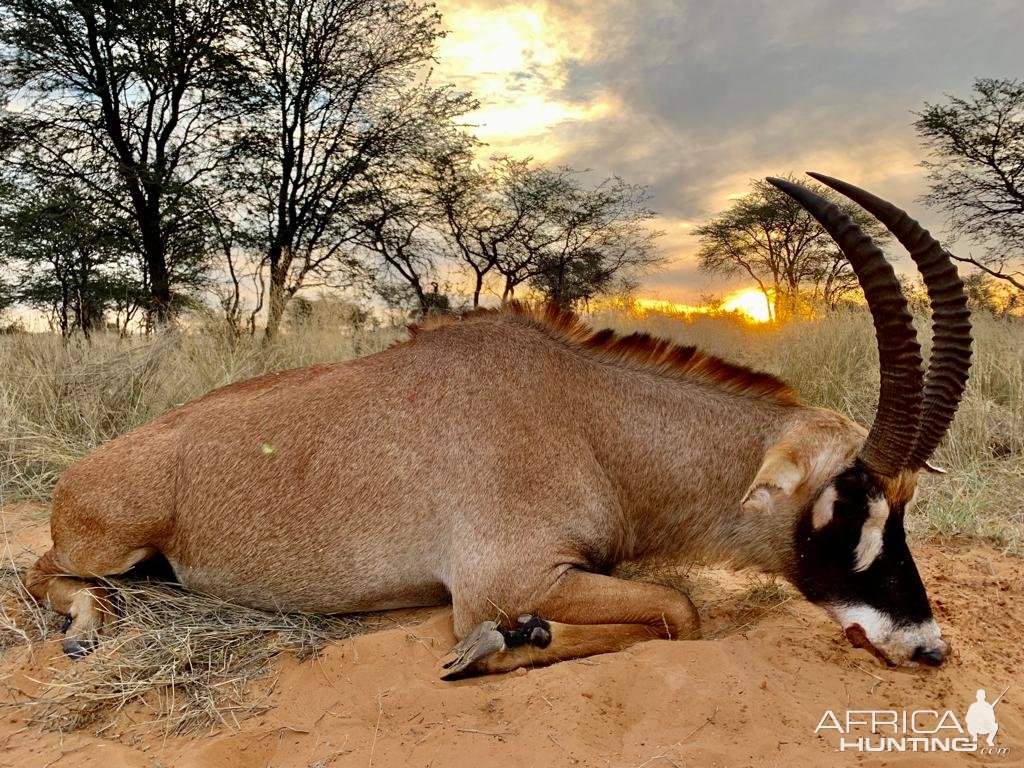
x: 179, y: 657
x: 189, y: 658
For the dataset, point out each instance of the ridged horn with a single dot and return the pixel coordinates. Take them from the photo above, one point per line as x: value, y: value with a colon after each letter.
x: 950, y: 361
x: 893, y: 433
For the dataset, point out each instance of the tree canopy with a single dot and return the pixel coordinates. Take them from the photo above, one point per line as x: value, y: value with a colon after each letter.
x: 769, y: 237
x: 251, y: 151
x: 976, y: 172
x: 128, y: 101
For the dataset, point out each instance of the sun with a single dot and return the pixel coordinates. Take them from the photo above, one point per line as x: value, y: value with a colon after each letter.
x: 751, y: 303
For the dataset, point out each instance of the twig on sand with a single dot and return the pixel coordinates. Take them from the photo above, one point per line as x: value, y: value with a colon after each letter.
x: 664, y: 756
x: 499, y: 734
x: 710, y: 719
x: 878, y: 679
x: 376, y: 727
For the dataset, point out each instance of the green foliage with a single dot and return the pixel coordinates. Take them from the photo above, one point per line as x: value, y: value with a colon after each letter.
x: 254, y: 151
x: 127, y: 101
x: 516, y: 223
x: 65, y: 260
x: 977, y: 172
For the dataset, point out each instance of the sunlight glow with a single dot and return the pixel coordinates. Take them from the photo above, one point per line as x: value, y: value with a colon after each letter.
x: 670, y: 307
x: 515, y: 59
x: 751, y: 303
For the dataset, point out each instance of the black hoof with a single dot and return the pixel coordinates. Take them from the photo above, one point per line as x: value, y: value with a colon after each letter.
x: 530, y: 630
x: 67, y: 623
x: 78, y: 649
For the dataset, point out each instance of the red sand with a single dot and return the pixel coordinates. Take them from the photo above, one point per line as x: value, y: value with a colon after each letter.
x: 753, y: 695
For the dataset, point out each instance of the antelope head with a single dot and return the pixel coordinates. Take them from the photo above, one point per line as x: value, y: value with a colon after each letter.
x: 851, y: 554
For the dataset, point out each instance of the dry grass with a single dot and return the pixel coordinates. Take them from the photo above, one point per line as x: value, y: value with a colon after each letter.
x: 187, y: 658
x: 184, y: 659
x: 60, y: 400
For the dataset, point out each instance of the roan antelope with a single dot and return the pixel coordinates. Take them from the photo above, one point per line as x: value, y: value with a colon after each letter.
x: 510, y: 460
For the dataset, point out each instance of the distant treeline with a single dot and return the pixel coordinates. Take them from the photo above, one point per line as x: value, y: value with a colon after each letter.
x: 154, y: 153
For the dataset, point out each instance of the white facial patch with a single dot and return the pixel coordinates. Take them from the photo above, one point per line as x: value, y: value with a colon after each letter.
x: 876, y: 625
x: 821, y: 515
x: 897, y: 643
x: 870, y: 545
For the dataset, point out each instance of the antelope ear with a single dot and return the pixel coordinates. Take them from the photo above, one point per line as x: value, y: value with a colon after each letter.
x: 778, y: 478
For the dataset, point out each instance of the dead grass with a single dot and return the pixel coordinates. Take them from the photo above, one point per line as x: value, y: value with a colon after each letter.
x: 187, y: 659
x: 184, y: 659
x: 60, y: 400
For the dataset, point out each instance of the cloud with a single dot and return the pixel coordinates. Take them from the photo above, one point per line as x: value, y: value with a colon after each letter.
x: 515, y: 60
x: 695, y: 98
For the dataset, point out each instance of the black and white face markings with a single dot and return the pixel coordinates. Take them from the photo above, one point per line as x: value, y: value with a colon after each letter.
x: 852, y: 559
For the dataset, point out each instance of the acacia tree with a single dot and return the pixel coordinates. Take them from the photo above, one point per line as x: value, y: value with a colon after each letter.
x: 977, y: 172
x: 593, y: 241
x: 67, y: 259
x: 337, y: 94
x: 767, y: 236
x: 128, y: 100
x: 491, y: 215
x: 527, y: 224
x: 473, y: 225
x: 394, y: 225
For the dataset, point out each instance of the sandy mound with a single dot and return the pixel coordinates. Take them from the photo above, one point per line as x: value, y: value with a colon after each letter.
x: 752, y: 694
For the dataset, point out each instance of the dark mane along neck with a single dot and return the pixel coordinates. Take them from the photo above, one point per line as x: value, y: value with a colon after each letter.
x: 639, y: 350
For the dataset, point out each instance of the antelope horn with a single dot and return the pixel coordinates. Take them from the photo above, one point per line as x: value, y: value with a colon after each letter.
x: 950, y: 359
x: 894, y: 430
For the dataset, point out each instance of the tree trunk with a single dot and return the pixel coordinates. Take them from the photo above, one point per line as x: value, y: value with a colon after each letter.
x: 65, y: 301
x: 477, y: 288
x: 154, y: 254
x: 275, y: 308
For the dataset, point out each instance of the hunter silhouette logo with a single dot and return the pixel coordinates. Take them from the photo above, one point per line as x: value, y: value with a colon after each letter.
x: 917, y: 730
x: 981, y: 717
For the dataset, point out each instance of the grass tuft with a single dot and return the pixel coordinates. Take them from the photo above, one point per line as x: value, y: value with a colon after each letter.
x: 182, y: 658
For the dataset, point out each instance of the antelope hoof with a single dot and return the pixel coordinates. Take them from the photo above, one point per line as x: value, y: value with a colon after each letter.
x: 530, y: 630
x: 76, y: 649
x: 485, y: 638
x: 80, y: 639
x: 469, y: 656
x: 82, y: 630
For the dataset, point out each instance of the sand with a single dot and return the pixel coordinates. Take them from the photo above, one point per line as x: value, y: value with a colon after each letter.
x: 751, y: 694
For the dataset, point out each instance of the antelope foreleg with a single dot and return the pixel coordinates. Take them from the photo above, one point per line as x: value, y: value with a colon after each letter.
x: 583, y: 615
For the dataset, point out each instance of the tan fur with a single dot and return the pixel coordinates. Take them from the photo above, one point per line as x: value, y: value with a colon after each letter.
x: 899, y: 491
x: 489, y: 460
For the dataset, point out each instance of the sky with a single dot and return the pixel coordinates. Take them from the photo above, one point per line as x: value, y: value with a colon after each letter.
x: 694, y: 99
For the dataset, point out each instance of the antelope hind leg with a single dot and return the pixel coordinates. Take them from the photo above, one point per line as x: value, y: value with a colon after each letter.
x: 87, y: 606
x: 590, y: 614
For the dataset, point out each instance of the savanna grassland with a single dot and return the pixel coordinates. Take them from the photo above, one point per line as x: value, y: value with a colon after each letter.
x: 60, y: 399
x: 296, y: 690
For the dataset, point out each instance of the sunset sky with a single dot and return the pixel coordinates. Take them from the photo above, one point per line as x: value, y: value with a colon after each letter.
x: 696, y: 98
